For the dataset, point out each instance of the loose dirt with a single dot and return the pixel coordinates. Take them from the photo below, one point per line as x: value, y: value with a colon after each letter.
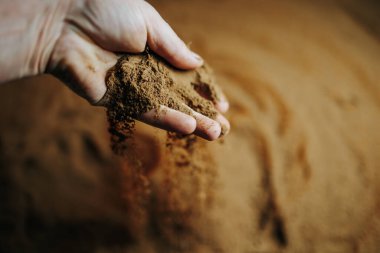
x: 136, y: 85
x: 140, y: 83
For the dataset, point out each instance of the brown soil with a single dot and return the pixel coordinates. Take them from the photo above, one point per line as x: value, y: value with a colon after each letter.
x: 140, y: 83
x: 299, y: 171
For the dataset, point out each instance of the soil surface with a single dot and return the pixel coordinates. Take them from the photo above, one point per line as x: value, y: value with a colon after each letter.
x: 298, y: 172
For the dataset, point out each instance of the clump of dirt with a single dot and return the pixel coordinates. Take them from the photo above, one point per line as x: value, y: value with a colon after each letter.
x: 140, y: 83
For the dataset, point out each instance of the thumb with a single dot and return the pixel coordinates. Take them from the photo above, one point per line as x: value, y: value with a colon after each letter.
x: 165, y: 42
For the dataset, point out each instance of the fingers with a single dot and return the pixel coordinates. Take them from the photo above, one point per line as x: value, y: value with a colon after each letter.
x: 165, y: 42
x: 222, y: 104
x: 172, y: 120
x: 207, y: 128
x: 224, y: 123
x: 206, y: 91
x: 115, y: 25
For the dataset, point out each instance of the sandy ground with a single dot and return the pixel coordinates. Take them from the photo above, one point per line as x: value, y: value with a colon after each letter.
x: 299, y: 172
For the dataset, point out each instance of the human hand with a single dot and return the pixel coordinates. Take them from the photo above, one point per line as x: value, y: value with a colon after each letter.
x: 90, y: 33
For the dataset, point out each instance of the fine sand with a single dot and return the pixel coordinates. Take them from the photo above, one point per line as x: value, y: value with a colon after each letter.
x: 298, y: 172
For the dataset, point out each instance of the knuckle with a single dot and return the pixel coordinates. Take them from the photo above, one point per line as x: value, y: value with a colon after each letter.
x: 135, y: 42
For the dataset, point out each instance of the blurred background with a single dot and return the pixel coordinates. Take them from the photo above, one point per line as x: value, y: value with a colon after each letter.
x: 299, y: 172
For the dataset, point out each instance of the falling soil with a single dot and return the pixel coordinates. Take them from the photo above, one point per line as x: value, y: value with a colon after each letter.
x: 144, y: 82
x: 136, y: 85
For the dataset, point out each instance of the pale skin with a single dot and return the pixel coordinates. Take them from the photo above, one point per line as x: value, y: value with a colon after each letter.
x: 76, y: 41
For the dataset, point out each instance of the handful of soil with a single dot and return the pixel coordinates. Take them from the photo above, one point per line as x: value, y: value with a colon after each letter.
x: 136, y: 85
x: 140, y: 83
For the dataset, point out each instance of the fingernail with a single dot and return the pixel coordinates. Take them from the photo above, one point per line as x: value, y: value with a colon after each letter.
x: 214, y: 131
x: 197, y: 57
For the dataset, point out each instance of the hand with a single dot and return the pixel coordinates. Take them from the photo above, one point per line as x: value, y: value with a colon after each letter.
x: 83, y: 35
